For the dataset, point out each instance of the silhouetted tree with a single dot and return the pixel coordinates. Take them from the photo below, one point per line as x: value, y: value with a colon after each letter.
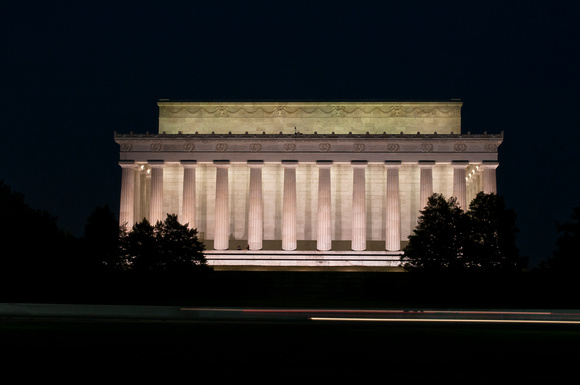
x: 101, y: 240
x: 31, y: 240
x: 491, y: 239
x: 448, y: 239
x: 437, y: 242
x: 179, y: 246
x: 167, y: 246
x: 566, y: 256
x: 138, y: 247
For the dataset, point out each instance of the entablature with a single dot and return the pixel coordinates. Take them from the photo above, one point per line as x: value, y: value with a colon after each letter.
x: 268, y: 147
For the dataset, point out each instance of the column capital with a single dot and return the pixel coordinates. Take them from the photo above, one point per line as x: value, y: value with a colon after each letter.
x: 393, y: 163
x: 221, y: 163
x: 255, y: 163
x: 489, y: 164
x: 289, y: 163
x: 324, y: 163
x: 459, y: 163
x: 359, y: 163
x: 156, y: 163
x: 188, y: 163
x: 426, y: 163
x: 127, y: 163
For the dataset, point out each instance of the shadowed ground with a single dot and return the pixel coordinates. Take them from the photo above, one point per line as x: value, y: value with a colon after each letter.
x: 299, y: 352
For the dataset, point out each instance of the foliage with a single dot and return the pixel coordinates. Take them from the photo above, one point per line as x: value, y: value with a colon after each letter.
x: 566, y: 257
x: 167, y: 246
x: 437, y: 241
x: 31, y: 238
x: 101, y: 240
x: 448, y: 239
x: 491, y: 243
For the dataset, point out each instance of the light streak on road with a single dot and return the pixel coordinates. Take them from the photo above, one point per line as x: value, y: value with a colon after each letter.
x: 475, y: 320
x: 398, y: 315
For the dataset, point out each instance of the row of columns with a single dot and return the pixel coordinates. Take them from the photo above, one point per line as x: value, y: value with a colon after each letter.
x: 256, y: 209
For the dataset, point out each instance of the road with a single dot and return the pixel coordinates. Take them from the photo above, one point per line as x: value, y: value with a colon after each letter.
x: 530, y: 316
x: 84, y: 344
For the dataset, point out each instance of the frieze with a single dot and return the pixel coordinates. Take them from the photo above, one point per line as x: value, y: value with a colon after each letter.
x: 310, y: 143
x: 225, y: 111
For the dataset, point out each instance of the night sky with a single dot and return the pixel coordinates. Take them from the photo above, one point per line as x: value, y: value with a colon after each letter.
x: 73, y: 73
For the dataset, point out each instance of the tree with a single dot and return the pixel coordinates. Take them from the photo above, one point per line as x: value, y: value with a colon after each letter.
x: 446, y: 238
x: 566, y: 256
x: 491, y: 240
x: 167, y: 246
x: 437, y: 242
x: 101, y: 240
x: 31, y: 240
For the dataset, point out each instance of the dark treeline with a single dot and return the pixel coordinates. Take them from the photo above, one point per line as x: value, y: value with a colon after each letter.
x: 41, y: 262
x: 109, y: 263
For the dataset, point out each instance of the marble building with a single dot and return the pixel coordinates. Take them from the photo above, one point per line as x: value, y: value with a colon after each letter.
x: 298, y: 184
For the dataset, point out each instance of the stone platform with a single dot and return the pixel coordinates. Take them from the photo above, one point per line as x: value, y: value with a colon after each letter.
x: 303, y: 260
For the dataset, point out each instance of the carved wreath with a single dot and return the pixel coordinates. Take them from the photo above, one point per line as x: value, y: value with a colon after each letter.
x: 289, y: 147
x: 392, y: 147
x: 221, y: 147
x: 490, y: 147
x: 359, y: 147
x: 324, y: 147
x: 126, y: 147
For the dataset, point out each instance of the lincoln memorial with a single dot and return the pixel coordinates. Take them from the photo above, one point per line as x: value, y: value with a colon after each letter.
x: 302, y: 184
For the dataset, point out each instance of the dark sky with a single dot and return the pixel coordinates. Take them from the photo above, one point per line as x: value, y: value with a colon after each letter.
x: 72, y: 73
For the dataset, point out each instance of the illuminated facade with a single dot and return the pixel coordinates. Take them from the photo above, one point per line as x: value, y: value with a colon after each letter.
x: 302, y: 183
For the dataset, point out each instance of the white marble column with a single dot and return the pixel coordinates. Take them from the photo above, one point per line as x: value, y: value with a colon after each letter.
x: 489, y: 177
x: 324, y: 234
x: 393, y: 230
x: 460, y: 183
x: 256, y: 210
x: 188, y: 201
x: 359, y: 209
x: 425, y: 182
x: 289, y: 206
x: 222, y: 209
x: 138, y: 195
x: 156, y: 205
x: 145, y: 194
x: 127, y: 209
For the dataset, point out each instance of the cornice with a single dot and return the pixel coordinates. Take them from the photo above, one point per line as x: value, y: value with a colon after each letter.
x: 299, y: 136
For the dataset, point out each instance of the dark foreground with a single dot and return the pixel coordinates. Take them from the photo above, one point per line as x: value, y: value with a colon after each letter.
x: 262, y: 351
x: 168, y: 352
